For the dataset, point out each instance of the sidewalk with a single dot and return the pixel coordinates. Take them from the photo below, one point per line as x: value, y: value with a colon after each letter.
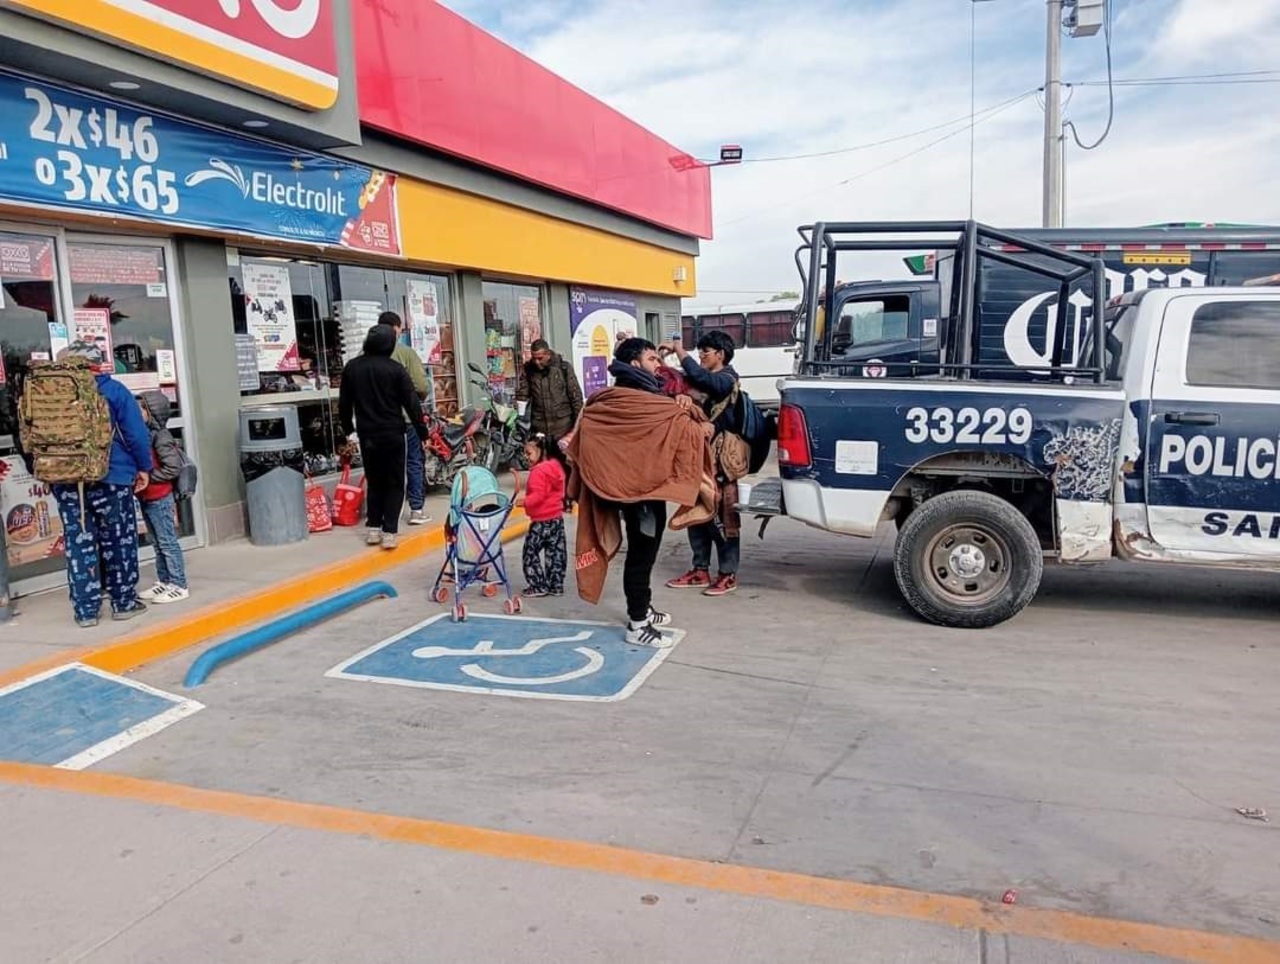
x: 223, y: 573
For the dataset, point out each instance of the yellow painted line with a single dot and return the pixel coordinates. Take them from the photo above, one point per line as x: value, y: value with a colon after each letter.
x: 228, y: 615
x: 841, y: 895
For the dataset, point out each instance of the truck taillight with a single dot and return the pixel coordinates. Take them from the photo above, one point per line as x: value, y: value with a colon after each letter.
x: 793, y: 438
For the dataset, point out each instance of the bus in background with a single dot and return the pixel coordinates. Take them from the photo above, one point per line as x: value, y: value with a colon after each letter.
x: 764, y: 335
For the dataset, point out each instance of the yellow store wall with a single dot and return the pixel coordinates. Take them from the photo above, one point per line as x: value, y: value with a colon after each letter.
x: 443, y: 226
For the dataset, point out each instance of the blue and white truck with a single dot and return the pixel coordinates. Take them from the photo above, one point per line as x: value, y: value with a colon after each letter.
x: 1153, y: 436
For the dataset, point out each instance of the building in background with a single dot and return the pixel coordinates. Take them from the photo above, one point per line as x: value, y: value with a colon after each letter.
x: 228, y: 194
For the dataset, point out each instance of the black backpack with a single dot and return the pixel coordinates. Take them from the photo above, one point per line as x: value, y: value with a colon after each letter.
x: 754, y: 428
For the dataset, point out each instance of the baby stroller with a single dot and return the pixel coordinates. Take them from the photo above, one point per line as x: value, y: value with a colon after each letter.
x: 478, y: 511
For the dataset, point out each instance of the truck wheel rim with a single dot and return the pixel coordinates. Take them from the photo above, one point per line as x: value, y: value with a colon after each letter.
x: 968, y: 563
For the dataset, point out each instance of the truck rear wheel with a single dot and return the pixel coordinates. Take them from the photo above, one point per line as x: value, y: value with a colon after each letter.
x: 967, y: 559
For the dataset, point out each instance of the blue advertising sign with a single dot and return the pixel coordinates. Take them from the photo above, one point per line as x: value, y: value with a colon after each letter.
x: 597, y: 319
x: 66, y: 149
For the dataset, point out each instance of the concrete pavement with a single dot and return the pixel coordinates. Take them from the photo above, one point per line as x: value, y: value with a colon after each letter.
x: 1088, y: 755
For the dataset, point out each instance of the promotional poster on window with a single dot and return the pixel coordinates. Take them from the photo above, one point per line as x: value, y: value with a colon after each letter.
x: 268, y: 303
x: 596, y: 320
x: 424, y: 320
x: 93, y: 326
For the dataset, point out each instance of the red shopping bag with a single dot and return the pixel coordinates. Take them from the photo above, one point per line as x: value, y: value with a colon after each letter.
x: 319, y: 517
x: 348, y: 500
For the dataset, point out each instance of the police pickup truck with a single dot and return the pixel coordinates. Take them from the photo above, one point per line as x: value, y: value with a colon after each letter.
x: 1161, y: 445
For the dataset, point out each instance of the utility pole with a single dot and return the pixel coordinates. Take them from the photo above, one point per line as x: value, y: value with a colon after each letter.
x: 1052, y: 211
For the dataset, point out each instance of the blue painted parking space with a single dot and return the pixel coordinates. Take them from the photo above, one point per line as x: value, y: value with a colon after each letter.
x: 551, y: 659
x: 75, y: 715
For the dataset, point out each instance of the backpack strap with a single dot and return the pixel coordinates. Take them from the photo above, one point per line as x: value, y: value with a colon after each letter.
x: 720, y: 407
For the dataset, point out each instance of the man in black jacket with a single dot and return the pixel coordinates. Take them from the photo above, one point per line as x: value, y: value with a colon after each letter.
x: 548, y: 384
x: 377, y: 392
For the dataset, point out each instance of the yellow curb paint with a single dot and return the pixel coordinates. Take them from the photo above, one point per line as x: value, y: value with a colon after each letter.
x: 227, y: 616
x: 840, y: 895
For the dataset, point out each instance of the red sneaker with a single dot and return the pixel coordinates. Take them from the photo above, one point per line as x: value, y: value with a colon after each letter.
x: 693, y: 579
x: 724, y: 584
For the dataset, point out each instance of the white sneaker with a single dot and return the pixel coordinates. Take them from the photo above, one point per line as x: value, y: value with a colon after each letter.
x: 419, y: 517
x: 659, y: 619
x: 646, y: 634
x: 171, y: 594
x: 389, y: 540
x: 373, y: 537
x: 159, y: 589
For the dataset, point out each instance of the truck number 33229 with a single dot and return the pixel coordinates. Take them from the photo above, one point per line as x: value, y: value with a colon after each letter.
x: 969, y: 426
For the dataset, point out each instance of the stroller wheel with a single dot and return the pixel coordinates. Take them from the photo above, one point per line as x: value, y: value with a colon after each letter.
x: 513, y: 606
x: 490, y: 590
x: 459, y: 613
x: 440, y: 594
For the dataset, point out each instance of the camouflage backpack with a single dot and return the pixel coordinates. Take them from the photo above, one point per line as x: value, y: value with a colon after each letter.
x: 64, y: 423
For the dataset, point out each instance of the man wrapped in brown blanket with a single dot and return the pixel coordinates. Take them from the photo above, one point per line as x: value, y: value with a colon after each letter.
x: 634, y: 450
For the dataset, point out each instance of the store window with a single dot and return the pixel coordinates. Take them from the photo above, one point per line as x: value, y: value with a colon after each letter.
x: 299, y: 322
x: 30, y: 323
x: 512, y: 322
x: 120, y: 299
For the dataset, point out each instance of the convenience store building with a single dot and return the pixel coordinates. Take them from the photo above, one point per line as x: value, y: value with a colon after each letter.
x: 229, y: 192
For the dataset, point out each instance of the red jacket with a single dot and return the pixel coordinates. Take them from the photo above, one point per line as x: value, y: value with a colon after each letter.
x: 544, y: 494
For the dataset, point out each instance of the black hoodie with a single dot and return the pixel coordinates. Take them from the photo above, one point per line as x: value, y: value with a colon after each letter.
x: 377, y: 392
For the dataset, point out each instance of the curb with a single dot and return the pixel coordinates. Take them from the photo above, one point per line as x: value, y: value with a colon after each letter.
x: 220, y: 618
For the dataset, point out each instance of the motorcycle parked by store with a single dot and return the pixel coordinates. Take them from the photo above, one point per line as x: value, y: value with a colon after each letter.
x: 505, y: 429
x: 453, y: 444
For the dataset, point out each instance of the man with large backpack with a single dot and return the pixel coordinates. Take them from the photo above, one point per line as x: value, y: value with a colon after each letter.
x: 83, y: 433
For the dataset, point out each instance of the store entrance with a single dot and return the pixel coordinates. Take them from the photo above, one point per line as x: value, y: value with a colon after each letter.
x: 56, y: 288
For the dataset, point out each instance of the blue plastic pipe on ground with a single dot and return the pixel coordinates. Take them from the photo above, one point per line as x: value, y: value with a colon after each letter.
x: 254, y: 639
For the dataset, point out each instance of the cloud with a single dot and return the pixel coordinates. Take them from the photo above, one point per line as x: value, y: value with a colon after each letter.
x: 809, y: 76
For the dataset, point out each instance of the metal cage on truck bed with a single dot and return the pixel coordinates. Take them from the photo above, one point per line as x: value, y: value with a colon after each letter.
x: 817, y: 261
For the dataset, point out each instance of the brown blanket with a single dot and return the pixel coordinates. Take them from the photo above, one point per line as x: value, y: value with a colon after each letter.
x: 633, y: 446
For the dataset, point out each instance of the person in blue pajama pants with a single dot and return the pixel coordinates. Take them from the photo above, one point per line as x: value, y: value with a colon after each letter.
x: 101, y: 542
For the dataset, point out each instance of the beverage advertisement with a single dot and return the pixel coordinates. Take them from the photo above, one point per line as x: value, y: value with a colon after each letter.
x: 33, y: 529
x: 596, y: 319
x: 69, y: 150
x: 268, y: 305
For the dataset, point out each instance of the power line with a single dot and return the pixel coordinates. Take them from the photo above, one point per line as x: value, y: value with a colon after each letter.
x: 964, y: 119
x: 989, y: 113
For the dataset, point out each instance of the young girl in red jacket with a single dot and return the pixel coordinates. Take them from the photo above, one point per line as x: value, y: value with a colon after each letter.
x: 546, y: 557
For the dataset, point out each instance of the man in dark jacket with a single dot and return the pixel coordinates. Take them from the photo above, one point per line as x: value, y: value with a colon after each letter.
x: 375, y: 396
x: 714, y: 377
x: 548, y: 384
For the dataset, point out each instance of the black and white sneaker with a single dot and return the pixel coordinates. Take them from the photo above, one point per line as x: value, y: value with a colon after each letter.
x: 646, y: 634
x: 659, y: 619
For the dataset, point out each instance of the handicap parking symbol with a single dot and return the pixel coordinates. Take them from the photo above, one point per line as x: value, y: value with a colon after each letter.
x: 550, y: 659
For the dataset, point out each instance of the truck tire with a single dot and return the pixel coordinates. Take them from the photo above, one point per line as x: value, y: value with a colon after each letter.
x: 967, y: 559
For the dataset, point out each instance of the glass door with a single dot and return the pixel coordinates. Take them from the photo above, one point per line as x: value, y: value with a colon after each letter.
x: 32, y: 328
x: 122, y: 294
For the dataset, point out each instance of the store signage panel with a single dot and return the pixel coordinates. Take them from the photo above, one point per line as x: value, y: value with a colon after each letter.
x: 70, y: 150
x: 284, y: 49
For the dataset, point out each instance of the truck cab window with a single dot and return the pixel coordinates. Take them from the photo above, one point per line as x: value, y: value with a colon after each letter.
x: 869, y: 321
x: 1235, y: 344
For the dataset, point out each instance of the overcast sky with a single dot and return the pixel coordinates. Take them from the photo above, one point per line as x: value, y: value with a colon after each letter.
x: 786, y: 77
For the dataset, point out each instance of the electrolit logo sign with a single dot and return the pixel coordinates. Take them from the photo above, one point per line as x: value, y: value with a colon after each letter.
x: 284, y: 49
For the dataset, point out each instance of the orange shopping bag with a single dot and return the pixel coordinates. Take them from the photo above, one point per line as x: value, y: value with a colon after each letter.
x: 348, y: 499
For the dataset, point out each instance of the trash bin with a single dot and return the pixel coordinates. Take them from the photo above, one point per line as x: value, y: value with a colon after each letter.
x: 272, y: 461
